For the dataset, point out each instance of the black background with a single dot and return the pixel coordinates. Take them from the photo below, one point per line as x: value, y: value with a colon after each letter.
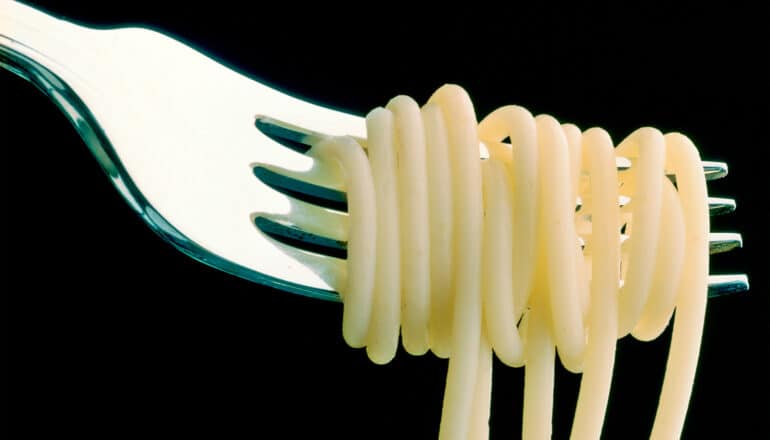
x: 111, y: 331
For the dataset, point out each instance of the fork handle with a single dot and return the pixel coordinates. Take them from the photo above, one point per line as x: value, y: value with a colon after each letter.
x: 31, y: 37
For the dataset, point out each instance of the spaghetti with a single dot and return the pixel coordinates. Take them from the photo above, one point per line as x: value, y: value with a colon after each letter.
x: 468, y: 257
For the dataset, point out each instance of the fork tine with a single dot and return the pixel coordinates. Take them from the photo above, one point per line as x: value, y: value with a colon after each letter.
x: 622, y: 163
x: 721, y: 285
x: 292, y: 136
x: 720, y: 205
x: 316, y: 186
x: 309, y: 218
x: 720, y: 242
x: 287, y: 233
x: 319, y: 186
x: 717, y: 205
x: 714, y: 170
x: 327, y: 255
x: 301, y: 139
x: 316, y: 226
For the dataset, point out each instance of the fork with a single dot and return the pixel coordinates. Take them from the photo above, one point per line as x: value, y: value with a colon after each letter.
x: 212, y: 160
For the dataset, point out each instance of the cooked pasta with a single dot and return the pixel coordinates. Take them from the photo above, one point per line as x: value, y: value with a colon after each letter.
x: 467, y: 256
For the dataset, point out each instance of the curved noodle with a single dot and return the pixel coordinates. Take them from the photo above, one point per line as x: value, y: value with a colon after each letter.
x: 469, y: 257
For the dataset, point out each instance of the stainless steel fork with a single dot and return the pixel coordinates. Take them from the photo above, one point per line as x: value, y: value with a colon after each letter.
x: 199, y: 150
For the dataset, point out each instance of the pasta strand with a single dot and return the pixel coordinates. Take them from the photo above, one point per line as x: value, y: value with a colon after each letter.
x: 470, y: 257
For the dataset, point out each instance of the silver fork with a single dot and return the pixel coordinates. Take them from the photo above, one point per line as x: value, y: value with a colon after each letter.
x: 176, y: 132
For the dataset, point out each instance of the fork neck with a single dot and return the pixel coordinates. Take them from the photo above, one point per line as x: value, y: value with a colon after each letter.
x: 42, y: 50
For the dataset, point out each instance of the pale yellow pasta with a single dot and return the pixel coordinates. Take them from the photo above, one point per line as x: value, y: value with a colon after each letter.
x: 413, y: 211
x: 460, y: 123
x: 559, y: 235
x: 440, y: 221
x: 647, y: 149
x: 668, y: 267
x: 685, y: 161
x: 500, y: 312
x: 382, y: 339
x: 599, y: 159
x: 471, y: 256
x: 519, y: 125
x: 357, y: 292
